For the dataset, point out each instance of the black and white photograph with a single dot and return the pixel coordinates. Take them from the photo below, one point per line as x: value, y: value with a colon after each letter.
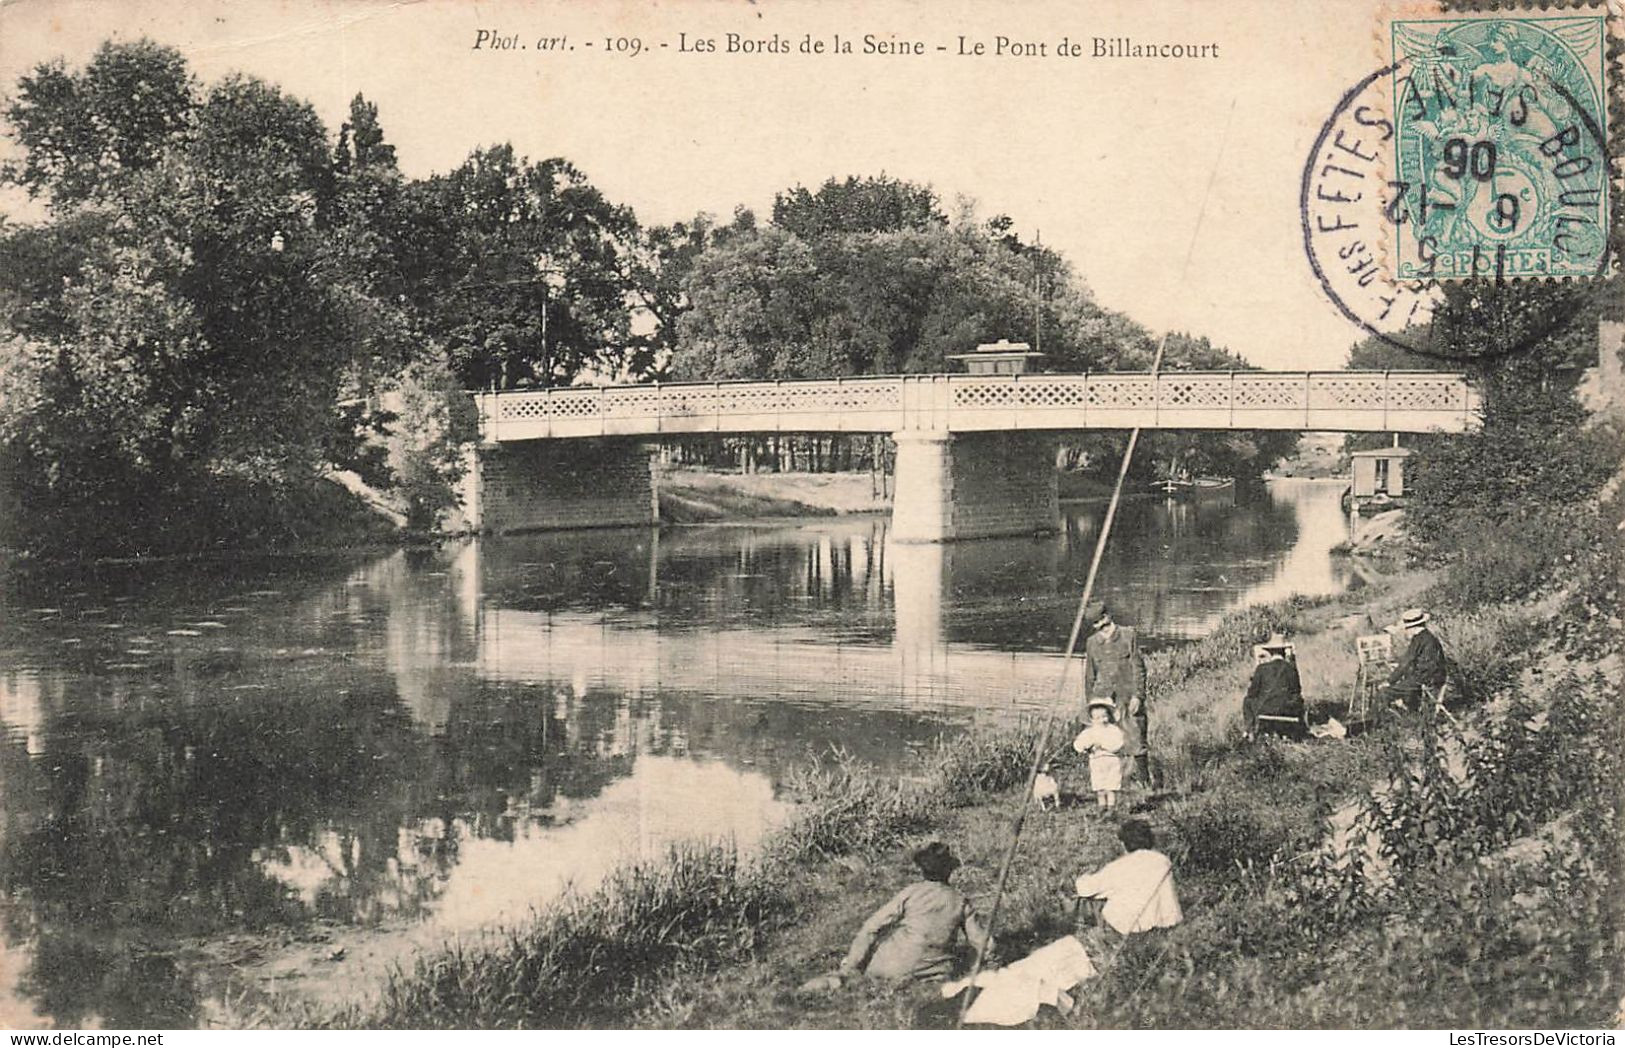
x: 786, y: 515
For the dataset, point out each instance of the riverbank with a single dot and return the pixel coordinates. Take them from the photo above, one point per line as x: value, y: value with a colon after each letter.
x: 707, y: 940
x: 694, y: 496
x: 690, y: 496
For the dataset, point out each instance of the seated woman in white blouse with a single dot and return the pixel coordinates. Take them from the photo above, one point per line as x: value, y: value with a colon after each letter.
x: 1138, y: 887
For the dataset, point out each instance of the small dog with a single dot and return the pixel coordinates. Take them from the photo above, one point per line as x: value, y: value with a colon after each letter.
x: 1046, y: 791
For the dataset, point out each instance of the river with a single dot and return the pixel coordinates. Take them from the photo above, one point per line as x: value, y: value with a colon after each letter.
x: 290, y: 773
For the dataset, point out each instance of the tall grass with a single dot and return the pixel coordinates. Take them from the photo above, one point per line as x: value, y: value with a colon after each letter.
x: 591, y: 959
x: 845, y: 807
x: 968, y: 767
x: 581, y: 961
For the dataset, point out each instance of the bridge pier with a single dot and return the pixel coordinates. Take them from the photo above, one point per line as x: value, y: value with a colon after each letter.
x: 535, y: 485
x: 973, y: 485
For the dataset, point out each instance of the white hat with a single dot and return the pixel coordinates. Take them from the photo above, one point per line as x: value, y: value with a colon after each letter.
x: 1414, y: 617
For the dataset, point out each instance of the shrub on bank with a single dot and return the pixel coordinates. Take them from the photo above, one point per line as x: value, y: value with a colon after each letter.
x: 845, y: 807
x: 990, y: 760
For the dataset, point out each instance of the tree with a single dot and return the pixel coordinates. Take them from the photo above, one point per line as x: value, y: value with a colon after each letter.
x: 857, y: 205
x: 202, y: 304
x: 499, y: 240
x: 750, y: 310
x: 772, y: 303
x: 658, y: 272
x: 84, y: 134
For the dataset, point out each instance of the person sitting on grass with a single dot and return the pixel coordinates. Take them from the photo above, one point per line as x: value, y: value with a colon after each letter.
x: 1103, y: 741
x: 1137, y: 887
x: 1275, y: 690
x: 914, y: 934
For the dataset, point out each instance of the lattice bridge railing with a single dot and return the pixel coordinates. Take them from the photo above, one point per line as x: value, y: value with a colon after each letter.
x: 1355, y: 401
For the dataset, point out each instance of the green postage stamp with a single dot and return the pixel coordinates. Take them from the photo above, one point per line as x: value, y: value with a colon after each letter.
x: 1501, y: 147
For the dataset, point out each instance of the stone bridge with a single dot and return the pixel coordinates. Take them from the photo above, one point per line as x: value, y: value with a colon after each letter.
x: 974, y: 452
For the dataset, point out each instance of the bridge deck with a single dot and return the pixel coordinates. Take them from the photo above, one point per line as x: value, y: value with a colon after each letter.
x: 1352, y: 401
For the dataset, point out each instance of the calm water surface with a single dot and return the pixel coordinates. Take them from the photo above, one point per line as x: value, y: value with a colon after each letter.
x: 197, y: 758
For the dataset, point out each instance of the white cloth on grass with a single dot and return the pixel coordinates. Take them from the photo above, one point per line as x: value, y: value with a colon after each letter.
x: 1013, y: 994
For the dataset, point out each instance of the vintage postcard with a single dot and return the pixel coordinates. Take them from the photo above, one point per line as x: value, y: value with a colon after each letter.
x: 902, y: 514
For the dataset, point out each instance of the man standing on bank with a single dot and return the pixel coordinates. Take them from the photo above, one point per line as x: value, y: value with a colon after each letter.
x: 1422, y: 670
x: 1114, y: 670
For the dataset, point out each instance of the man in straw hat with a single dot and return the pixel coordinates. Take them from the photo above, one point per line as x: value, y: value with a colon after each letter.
x: 913, y: 935
x: 1422, y: 667
x: 1275, y: 690
x: 1114, y: 669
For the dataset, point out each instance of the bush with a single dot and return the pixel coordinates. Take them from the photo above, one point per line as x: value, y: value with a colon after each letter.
x: 1225, y: 833
x: 984, y: 761
x: 1494, y: 559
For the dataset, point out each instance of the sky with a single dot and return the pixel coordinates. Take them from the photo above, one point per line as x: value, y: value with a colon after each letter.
x: 1171, y: 184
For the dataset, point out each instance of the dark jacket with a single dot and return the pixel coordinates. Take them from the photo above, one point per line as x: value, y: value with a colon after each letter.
x: 1422, y: 664
x: 1275, y: 691
x: 1115, y: 669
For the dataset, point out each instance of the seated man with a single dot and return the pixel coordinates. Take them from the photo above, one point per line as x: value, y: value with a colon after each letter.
x: 1421, y: 667
x: 1274, y: 691
x: 1137, y: 887
x: 912, y: 936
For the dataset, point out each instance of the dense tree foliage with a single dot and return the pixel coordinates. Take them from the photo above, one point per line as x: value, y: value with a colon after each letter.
x: 770, y: 303
x: 857, y: 205
x: 210, y: 288
x: 500, y: 240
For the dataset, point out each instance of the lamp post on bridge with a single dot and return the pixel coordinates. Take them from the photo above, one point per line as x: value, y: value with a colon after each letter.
x: 549, y: 278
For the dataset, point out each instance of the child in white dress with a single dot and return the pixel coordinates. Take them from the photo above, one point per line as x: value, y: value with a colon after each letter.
x: 1102, y: 740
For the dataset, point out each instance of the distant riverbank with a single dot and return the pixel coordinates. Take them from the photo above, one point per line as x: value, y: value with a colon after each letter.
x: 692, y: 496
x: 695, y: 496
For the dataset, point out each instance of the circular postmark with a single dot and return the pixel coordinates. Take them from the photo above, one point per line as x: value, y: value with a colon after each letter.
x: 1479, y: 155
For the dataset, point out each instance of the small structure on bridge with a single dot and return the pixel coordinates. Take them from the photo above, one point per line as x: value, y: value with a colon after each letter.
x: 1000, y: 358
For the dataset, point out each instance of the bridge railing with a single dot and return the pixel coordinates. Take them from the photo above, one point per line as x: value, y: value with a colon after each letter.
x: 1376, y: 401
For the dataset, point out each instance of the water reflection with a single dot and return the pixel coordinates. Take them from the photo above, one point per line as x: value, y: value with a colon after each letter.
x: 442, y: 739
